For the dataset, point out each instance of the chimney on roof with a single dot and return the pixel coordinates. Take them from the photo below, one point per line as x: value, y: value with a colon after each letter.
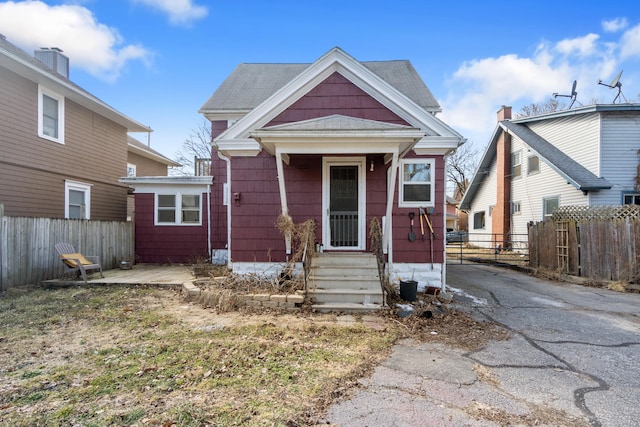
x: 53, y: 58
x: 504, y: 113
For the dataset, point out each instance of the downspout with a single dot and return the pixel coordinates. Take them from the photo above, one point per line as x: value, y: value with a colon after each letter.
x: 209, y: 221
x: 227, y: 200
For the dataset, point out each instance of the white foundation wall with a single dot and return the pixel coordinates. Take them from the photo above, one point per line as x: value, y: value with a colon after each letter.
x: 425, y: 274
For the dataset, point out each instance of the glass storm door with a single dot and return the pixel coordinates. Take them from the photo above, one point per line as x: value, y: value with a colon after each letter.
x: 344, y: 205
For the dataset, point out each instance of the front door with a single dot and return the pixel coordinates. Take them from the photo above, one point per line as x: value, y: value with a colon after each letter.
x: 344, y: 225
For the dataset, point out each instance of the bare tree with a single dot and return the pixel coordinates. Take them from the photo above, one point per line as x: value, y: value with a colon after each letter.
x: 549, y: 106
x: 197, y: 146
x: 461, y: 166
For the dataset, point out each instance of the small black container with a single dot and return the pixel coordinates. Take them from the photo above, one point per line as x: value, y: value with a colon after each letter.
x: 408, y: 290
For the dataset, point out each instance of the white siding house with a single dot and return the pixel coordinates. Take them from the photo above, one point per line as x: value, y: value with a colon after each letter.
x: 585, y: 156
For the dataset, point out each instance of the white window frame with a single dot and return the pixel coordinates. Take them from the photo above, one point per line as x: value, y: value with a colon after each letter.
x: 531, y: 171
x: 516, y: 162
x: 546, y: 214
x: 60, y: 99
x: 484, y: 220
x: 632, y: 194
x: 178, y: 209
x: 516, y: 208
x: 131, y: 169
x: 432, y: 183
x: 77, y: 186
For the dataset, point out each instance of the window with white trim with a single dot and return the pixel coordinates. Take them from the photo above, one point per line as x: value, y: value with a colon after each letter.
x: 131, y: 169
x: 77, y: 200
x: 478, y: 220
x: 417, y: 183
x: 533, y: 165
x: 549, y: 205
x: 630, y: 198
x: 516, y: 164
x: 516, y: 207
x: 178, y: 209
x: 50, y: 115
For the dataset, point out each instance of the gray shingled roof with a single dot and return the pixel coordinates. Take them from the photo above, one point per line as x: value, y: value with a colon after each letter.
x: 576, y: 174
x: 250, y: 84
x: 579, y: 176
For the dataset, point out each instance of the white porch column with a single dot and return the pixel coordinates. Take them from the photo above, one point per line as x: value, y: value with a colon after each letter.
x: 283, y: 197
x: 386, y: 234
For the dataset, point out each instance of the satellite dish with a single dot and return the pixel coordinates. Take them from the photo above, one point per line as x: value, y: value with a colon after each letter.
x: 573, y: 95
x: 615, y: 83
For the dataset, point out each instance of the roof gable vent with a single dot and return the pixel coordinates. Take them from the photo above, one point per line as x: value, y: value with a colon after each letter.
x: 53, y: 58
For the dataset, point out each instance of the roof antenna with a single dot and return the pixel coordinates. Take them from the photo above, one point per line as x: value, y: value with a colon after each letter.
x: 573, y: 95
x: 615, y: 83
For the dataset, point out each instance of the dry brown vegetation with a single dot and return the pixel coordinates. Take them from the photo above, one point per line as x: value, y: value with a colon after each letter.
x: 121, y: 355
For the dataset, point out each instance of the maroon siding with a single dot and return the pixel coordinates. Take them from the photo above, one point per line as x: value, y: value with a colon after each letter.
x: 167, y: 244
x: 419, y: 250
x: 337, y: 95
x: 254, y: 233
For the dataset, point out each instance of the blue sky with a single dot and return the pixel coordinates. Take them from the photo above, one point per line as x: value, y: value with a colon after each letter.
x: 157, y: 61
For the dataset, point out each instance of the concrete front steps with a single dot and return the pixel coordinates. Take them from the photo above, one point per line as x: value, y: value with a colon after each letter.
x: 344, y: 282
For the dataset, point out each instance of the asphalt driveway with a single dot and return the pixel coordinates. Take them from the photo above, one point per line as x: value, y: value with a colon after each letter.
x: 573, y: 360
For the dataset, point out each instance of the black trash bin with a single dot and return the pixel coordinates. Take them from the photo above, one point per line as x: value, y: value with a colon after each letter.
x: 408, y: 290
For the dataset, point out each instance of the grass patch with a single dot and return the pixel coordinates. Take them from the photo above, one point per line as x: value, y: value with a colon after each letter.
x: 122, y: 355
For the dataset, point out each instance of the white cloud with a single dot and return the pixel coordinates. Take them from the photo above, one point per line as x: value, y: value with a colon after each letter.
x: 615, y: 25
x: 180, y: 12
x: 480, y: 87
x: 581, y: 46
x: 630, y: 43
x: 91, y: 46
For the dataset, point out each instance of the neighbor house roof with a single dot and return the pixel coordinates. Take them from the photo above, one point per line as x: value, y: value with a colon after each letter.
x: 575, y: 174
x: 18, y: 61
x: 251, y: 84
x: 143, y: 150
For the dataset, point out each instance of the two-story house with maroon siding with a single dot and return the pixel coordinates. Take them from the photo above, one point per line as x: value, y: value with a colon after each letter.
x: 62, y: 149
x: 340, y: 141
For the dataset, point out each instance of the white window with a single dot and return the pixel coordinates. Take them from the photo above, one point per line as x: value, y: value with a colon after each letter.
x: 77, y: 200
x: 534, y: 165
x: 516, y: 164
x: 178, y: 209
x: 50, y: 115
x: 631, y: 198
x: 478, y: 220
x: 417, y: 183
x: 549, y: 205
x: 515, y: 208
x: 131, y: 169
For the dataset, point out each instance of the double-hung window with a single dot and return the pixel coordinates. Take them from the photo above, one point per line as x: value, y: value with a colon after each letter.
x: 77, y: 197
x: 417, y: 179
x: 50, y: 115
x: 516, y: 164
x: 178, y: 209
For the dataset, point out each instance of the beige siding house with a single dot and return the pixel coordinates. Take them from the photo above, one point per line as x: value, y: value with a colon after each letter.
x: 62, y: 149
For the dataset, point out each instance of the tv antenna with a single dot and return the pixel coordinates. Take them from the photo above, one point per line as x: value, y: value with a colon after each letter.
x: 573, y: 95
x: 615, y: 83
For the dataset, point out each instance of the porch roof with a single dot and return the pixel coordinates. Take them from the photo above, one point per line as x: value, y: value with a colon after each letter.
x: 338, y: 134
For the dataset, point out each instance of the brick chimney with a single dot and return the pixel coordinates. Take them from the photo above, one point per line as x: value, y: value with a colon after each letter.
x: 501, y: 215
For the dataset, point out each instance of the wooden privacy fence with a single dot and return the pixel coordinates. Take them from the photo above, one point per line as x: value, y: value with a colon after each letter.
x: 593, y: 248
x: 28, y: 256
